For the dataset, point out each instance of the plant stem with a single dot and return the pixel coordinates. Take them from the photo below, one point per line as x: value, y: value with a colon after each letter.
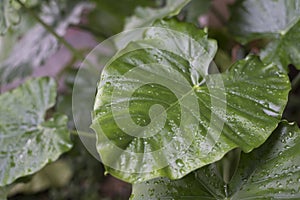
x: 50, y: 30
x: 296, y: 82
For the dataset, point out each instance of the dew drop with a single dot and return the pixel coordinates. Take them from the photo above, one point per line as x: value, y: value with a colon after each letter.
x: 179, y: 163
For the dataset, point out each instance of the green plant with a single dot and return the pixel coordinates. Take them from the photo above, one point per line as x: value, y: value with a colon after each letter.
x: 166, y: 118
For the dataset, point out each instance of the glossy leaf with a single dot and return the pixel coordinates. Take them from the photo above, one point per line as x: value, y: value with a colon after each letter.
x: 201, y: 116
x: 28, y: 141
x: 163, y: 188
x: 285, y: 50
x: 253, y: 19
x: 270, y: 172
x: 37, y: 44
x: 143, y: 17
x: 279, y: 20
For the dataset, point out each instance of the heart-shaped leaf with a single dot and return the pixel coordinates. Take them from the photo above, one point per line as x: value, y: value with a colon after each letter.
x: 255, y: 19
x: 270, y: 172
x: 158, y: 111
x: 27, y: 140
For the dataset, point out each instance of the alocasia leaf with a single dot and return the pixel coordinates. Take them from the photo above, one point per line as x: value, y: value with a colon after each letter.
x: 285, y: 50
x: 28, y: 139
x: 37, y: 44
x: 158, y: 111
x: 279, y: 20
x: 253, y: 19
x: 145, y: 16
x: 270, y: 172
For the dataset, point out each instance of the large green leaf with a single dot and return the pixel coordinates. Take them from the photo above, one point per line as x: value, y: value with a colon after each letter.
x: 28, y: 141
x: 37, y: 44
x: 145, y: 16
x: 255, y: 19
x: 199, y: 116
x: 270, y: 172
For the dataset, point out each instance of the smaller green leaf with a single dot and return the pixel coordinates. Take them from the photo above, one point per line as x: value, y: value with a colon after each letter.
x: 145, y: 16
x: 279, y: 20
x: 284, y: 50
x: 54, y: 175
x: 254, y: 19
x: 28, y: 141
x: 271, y: 171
